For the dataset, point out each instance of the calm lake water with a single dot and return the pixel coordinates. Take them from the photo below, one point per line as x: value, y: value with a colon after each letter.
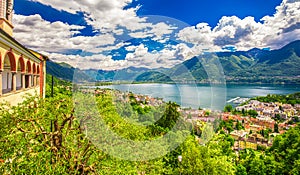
x: 204, y: 96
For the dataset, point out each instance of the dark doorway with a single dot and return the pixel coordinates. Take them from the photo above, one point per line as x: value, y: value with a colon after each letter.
x: 27, y: 81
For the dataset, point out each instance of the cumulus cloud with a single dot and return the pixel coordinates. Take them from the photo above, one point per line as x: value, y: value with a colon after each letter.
x: 56, y: 38
x: 273, y: 31
x: 97, y: 61
x: 167, y: 57
x: 283, y: 24
x: 41, y: 35
x: 108, y: 15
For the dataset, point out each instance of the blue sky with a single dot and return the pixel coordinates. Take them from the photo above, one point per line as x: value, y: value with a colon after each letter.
x: 210, y: 11
x: 113, y: 34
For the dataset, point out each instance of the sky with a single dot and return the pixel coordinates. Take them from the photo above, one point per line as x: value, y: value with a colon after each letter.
x: 115, y: 34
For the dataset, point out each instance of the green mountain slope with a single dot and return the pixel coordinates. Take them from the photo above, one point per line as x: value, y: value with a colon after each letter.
x: 65, y: 71
x: 253, y: 66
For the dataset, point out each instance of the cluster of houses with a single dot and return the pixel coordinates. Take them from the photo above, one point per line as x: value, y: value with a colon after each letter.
x: 126, y: 97
x: 267, y: 112
x: 251, y: 134
x: 271, y: 109
x: 147, y: 100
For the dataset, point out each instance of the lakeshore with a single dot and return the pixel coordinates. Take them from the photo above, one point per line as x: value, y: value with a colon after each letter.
x: 252, y: 125
x: 204, y: 96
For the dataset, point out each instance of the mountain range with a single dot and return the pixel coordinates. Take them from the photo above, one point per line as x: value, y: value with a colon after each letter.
x: 252, y: 66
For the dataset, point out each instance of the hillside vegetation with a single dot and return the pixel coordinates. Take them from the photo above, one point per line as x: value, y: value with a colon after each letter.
x: 46, y: 136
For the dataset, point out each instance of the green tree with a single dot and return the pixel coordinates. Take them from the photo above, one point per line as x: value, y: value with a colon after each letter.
x: 252, y: 113
x: 228, y: 108
x: 170, y: 116
x: 276, y: 128
x: 257, y: 166
x: 238, y: 126
x: 286, y: 150
x: 241, y: 170
x: 197, y: 159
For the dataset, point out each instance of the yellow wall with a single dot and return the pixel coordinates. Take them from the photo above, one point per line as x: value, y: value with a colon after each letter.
x: 244, y: 145
x: 6, y: 26
x: 18, y: 97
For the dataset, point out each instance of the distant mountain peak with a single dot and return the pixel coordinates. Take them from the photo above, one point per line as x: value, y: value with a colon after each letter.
x: 284, y: 62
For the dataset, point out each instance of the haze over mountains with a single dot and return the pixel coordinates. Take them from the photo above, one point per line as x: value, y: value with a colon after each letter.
x: 253, y: 66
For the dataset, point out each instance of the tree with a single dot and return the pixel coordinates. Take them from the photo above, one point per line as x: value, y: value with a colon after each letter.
x: 285, y: 150
x: 252, y: 113
x: 228, y: 108
x: 170, y: 116
x: 210, y: 159
x: 276, y: 129
x: 241, y: 170
x: 238, y: 126
x: 243, y: 111
x: 257, y: 166
x: 207, y: 113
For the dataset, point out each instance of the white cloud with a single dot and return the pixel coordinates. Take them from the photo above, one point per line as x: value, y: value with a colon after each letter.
x: 166, y: 57
x: 200, y: 34
x: 284, y: 23
x: 41, y: 35
x: 130, y: 48
x: 108, y: 15
x: 183, y: 52
x: 275, y: 31
x: 161, y: 29
x: 55, y: 38
x: 97, y: 61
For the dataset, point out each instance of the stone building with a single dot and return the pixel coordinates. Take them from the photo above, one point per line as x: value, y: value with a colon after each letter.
x: 22, y: 70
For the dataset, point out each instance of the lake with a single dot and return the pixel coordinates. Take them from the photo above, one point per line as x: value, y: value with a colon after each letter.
x: 204, y: 96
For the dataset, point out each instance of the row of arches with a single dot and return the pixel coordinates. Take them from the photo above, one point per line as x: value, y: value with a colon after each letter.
x: 18, y: 73
x: 10, y: 63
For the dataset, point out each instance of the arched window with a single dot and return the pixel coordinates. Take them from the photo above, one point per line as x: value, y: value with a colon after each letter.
x: 28, y: 76
x: 20, y: 70
x: 9, y: 66
x: 28, y: 67
x: 21, y: 65
x: 34, y: 68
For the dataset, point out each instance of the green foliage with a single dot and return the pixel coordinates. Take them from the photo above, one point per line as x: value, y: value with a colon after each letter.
x: 46, y: 136
x: 278, y: 118
x: 59, y: 87
x: 286, y: 150
x: 282, y: 158
x: 241, y: 170
x: 265, y: 132
x: 276, y: 128
x: 43, y: 142
x: 228, y: 108
x: 238, y: 126
x: 170, y: 116
x: 228, y: 125
x: 286, y: 99
x: 208, y: 159
x: 252, y: 113
x: 257, y: 166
